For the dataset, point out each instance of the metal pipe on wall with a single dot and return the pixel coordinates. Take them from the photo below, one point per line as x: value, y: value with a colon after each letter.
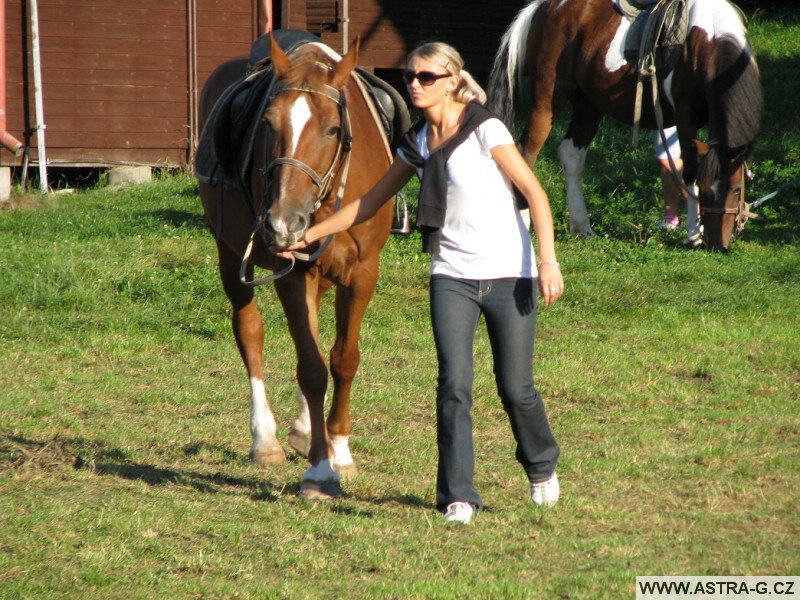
x: 37, y: 90
x: 6, y: 139
x: 194, y: 92
x: 345, y: 25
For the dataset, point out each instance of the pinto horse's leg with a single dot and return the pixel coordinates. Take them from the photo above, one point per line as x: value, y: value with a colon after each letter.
x: 572, y: 154
x: 248, y: 329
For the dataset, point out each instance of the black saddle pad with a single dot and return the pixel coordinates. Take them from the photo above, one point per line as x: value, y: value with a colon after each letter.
x: 287, y: 39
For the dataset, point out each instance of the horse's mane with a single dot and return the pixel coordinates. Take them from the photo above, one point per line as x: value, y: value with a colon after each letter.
x: 738, y: 95
x: 709, y: 168
x: 311, y: 67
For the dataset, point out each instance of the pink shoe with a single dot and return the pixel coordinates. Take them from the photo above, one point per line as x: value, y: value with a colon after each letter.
x: 669, y: 223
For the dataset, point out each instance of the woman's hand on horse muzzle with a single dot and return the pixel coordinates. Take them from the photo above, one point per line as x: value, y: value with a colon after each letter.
x: 286, y: 252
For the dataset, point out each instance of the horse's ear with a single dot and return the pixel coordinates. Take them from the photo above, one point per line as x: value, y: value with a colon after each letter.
x: 346, y: 66
x: 280, y: 62
x: 702, y: 148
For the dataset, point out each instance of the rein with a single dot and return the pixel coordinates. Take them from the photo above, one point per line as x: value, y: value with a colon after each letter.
x: 324, y: 184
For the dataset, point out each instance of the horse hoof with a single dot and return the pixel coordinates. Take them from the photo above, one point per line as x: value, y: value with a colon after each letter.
x: 348, y: 471
x: 319, y: 490
x: 301, y: 442
x: 268, y: 456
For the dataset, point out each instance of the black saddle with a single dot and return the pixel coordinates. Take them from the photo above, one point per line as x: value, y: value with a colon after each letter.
x: 659, y: 28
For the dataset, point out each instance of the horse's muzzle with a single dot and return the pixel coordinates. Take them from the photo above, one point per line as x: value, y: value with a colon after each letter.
x: 285, y: 232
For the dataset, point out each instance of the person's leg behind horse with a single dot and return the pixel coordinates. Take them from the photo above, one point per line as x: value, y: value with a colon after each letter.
x: 454, y: 317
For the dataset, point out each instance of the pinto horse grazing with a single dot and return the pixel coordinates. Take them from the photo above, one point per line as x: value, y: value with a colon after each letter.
x: 306, y: 139
x: 692, y: 63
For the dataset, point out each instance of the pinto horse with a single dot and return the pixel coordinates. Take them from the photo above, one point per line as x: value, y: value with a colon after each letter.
x: 315, y: 143
x: 599, y: 60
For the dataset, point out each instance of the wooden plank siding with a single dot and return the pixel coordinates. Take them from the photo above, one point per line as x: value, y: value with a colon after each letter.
x: 390, y: 30
x: 116, y: 76
x: 121, y: 78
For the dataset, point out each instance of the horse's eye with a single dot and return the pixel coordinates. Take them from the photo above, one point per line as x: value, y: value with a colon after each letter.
x: 333, y: 131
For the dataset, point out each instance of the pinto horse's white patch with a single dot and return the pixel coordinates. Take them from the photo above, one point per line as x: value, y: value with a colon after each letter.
x: 615, y: 58
x: 717, y: 17
x: 299, y: 116
x: 572, y: 161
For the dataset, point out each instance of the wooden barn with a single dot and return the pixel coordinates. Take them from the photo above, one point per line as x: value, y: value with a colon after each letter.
x: 102, y: 83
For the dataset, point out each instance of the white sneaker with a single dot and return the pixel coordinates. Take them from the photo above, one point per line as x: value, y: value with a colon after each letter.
x: 458, y: 512
x: 545, y: 493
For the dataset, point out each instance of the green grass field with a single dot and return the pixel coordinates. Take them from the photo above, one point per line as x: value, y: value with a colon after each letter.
x: 672, y: 381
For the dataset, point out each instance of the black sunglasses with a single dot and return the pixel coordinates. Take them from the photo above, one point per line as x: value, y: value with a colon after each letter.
x: 425, y: 78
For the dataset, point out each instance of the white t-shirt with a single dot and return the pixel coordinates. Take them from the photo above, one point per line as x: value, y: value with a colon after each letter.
x: 484, y: 235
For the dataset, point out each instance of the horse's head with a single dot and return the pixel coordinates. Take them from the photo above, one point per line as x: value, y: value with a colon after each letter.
x: 721, y: 193
x: 306, y: 138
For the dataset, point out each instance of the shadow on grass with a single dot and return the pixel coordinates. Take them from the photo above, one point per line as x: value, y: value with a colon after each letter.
x: 20, y: 454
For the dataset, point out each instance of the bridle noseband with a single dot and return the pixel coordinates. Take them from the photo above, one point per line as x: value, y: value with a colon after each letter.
x: 324, y: 183
x: 741, y: 210
x: 345, y: 142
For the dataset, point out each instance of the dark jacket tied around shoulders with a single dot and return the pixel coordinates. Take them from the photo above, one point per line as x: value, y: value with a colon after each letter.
x: 433, y: 186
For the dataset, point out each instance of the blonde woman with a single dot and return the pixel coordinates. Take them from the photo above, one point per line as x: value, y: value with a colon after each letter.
x: 483, y: 263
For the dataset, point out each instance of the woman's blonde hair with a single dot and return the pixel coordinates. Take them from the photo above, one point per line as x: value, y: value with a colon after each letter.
x: 449, y: 59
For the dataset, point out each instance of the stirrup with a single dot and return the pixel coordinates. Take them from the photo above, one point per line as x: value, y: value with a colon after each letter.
x: 401, y: 224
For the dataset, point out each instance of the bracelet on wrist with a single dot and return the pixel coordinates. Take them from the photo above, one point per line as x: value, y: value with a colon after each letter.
x: 550, y: 262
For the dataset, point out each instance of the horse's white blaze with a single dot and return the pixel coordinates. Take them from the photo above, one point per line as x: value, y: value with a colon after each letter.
x: 299, y: 116
x: 322, y: 471
x: 262, y: 422
x: 572, y: 160
x: 615, y: 58
x: 302, y: 423
x: 341, y: 450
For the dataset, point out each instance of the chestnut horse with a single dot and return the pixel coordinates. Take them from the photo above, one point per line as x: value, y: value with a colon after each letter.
x: 316, y: 144
x: 600, y: 61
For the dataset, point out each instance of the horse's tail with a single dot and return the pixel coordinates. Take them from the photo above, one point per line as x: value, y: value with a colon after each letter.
x: 509, y: 64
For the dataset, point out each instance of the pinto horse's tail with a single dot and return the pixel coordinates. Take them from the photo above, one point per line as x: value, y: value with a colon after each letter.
x: 509, y: 64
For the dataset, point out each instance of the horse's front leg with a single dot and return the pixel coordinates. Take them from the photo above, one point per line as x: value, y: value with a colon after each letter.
x: 351, y: 304
x: 297, y: 294
x: 300, y: 434
x: 248, y: 329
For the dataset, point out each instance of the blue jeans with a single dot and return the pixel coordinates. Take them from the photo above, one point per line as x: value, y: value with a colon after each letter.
x: 509, y: 307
